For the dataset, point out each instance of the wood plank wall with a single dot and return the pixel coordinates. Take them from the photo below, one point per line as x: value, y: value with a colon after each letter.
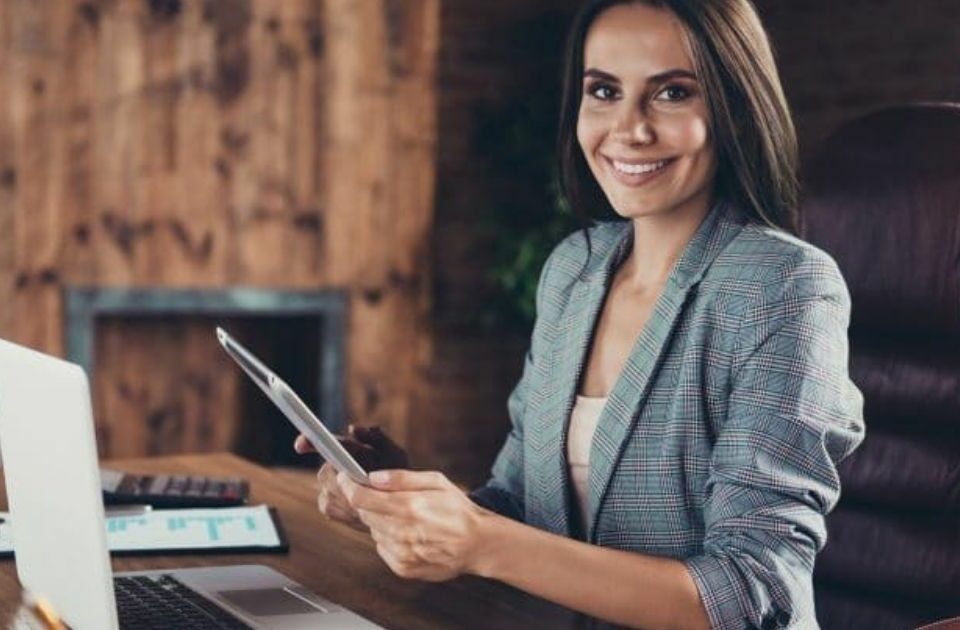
x: 216, y: 143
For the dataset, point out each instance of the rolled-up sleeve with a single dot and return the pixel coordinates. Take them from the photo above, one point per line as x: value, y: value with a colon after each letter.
x: 792, y: 415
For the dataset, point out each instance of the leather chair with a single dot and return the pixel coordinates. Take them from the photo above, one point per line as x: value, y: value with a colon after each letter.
x: 883, y: 198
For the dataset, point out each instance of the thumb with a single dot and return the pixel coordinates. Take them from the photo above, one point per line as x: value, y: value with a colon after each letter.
x: 407, y: 480
x: 302, y: 445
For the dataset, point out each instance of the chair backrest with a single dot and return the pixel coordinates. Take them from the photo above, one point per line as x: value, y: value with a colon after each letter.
x: 883, y: 198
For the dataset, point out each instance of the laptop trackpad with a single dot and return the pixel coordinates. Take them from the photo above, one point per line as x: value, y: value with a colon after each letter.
x: 266, y: 602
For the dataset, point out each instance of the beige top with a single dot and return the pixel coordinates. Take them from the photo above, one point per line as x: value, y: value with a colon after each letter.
x: 583, y: 424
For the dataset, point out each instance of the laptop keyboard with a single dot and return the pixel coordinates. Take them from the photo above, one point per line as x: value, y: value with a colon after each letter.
x: 163, y: 602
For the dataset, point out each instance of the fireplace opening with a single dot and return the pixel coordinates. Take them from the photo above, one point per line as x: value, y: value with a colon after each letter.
x: 163, y: 385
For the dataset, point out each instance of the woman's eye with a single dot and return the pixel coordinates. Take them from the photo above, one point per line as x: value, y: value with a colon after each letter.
x: 602, y: 92
x: 674, y: 93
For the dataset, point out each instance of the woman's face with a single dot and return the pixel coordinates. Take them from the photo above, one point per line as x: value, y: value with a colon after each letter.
x: 643, y: 123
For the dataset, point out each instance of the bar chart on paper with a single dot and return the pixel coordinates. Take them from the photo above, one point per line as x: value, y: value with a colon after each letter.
x: 182, y: 530
x: 217, y: 528
x: 197, y: 529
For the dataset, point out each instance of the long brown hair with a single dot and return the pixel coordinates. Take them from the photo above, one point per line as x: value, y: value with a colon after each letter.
x: 753, y: 134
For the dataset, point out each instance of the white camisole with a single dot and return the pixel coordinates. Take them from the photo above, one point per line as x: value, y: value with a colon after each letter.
x: 583, y: 424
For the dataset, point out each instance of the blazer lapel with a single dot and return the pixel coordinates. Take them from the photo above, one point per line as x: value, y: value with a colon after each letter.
x: 632, y: 388
x: 573, y: 338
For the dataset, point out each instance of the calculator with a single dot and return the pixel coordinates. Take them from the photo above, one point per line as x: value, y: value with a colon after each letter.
x: 172, y: 491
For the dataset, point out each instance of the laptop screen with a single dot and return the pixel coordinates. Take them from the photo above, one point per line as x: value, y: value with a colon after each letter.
x: 53, y: 486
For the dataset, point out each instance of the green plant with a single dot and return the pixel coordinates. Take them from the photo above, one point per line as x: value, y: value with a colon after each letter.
x: 527, y: 216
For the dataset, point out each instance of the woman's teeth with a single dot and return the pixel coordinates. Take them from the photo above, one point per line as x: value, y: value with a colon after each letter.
x: 638, y: 169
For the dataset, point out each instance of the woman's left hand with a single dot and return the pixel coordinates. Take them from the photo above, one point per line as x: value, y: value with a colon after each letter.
x: 424, y: 526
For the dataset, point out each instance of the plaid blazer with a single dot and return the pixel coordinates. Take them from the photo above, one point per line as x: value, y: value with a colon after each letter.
x: 719, y: 442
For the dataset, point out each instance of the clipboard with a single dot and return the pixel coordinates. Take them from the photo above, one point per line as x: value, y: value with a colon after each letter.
x: 179, y: 532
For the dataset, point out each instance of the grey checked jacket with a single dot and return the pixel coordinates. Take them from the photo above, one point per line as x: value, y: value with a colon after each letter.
x: 719, y: 442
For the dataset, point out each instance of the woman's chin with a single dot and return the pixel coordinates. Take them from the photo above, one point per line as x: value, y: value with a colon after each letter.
x: 694, y: 204
x: 635, y: 211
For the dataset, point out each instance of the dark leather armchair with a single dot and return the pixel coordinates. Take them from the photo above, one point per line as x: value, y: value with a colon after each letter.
x: 883, y: 198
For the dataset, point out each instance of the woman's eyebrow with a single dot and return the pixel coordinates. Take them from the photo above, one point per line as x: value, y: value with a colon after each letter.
x: 660, y: 77
x: 593, y: 73
x: 676, y: 73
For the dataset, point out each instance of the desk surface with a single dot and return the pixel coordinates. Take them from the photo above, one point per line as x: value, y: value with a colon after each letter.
x: 334, y: 561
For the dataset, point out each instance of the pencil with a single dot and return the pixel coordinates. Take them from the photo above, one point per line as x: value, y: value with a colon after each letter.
x: 44, y: 612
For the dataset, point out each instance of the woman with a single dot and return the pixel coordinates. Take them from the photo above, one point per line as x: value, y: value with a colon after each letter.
x: 685, y: 399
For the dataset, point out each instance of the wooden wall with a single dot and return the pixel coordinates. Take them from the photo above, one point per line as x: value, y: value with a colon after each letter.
x: 217, y: 143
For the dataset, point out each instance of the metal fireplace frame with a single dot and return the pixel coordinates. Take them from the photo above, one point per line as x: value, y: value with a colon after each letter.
x: 84, y: 305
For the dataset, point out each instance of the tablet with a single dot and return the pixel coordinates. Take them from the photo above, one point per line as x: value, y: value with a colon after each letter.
x: 294, y: 409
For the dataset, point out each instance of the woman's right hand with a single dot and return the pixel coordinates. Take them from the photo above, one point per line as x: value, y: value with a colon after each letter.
x: 372, y: 449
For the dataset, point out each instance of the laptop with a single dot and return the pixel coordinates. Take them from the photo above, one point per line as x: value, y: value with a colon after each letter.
x: 49, y: 456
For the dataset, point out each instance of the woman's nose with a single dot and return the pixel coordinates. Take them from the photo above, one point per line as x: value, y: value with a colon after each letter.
x: 633, y: 127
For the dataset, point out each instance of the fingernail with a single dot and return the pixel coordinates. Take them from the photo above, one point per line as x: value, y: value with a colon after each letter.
x: 380, y: 477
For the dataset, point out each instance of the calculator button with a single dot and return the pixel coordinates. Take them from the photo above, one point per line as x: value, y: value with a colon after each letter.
x: 129, y: 485
x: 195, y: 487
x: 159, y: 484
x: 178, y: 485
x: 110, y: 480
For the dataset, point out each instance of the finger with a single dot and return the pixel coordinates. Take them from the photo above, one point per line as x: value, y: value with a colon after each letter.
x: 332, y: 503
x: 364, y: 498
x: 396, y: 532
x: 408, y: 480
x: 398, y: 561
x: 367, y: 518
x: 327, y: 480
x: 302, y: 445
x: 358, y: 449
x: 330, y: 500
x: 385, y: 526
x: 374, y: 436
x: 326, y: 473
x: 334, y: 495
x: 341, y: 515
x: 328, y: 489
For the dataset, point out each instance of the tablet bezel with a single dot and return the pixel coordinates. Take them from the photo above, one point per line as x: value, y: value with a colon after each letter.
x: 295, y: 410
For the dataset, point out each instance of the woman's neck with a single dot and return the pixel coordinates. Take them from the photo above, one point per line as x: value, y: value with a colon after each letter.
x: 658, y: 242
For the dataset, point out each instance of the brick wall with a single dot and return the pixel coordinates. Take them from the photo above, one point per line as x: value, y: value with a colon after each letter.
x: 837, y: 58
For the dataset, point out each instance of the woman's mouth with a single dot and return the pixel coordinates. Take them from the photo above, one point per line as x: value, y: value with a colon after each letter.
x: 636, y: 173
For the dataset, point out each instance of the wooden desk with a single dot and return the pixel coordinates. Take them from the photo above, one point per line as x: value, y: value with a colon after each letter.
x: 334, y: 561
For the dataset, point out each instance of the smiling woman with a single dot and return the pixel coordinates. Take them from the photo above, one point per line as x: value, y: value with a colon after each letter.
x: 722, y: 75
x: 643, y: 124
x: 686, y: 398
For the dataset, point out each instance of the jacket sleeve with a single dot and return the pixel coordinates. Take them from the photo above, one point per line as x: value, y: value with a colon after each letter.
x: 792, y: 415
x: 504, y: 492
